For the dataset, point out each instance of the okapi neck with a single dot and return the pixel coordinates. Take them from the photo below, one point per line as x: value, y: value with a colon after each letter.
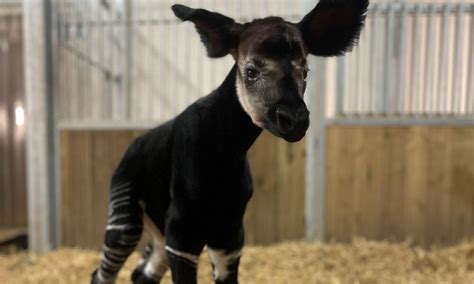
x: 238, y: 127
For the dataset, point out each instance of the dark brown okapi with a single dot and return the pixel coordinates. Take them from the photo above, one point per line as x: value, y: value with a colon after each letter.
x: 188, y: 180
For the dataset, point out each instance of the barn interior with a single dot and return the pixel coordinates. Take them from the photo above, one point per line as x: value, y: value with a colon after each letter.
x: 381, y: 190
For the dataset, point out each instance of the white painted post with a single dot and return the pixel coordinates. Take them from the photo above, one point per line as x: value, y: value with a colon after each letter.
x: 40, y: 126
x: 315, y: 200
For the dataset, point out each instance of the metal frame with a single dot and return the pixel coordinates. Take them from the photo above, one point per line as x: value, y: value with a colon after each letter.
x: 401, y: 121
x: 10, y: 7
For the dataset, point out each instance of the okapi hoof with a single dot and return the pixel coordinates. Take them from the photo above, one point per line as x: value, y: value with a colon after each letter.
x: 138, y: 277
x: 94, y: 279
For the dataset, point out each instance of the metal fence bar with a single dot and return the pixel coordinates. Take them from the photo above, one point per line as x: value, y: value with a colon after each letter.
x: 402, y: 61
x: 444, y: 60
x: 403, y: 121
x: 416, y: 76
x: 340, y: 86
x: 375, y: 58
x: 470, y: 76
x: 388, y: 79
x: 457, y: 66
x: 429, y: 62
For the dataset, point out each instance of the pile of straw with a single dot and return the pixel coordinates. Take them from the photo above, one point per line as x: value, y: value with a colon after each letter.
x: 297, y: 262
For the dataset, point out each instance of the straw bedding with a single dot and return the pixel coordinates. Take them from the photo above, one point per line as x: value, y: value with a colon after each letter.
x: 296, y: 262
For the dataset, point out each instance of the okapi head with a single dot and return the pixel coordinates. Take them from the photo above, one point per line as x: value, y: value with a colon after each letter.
x: 271, y: 54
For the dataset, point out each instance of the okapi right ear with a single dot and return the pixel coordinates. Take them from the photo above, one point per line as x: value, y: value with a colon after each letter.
x: 333, y: 26
x: 220, y: 34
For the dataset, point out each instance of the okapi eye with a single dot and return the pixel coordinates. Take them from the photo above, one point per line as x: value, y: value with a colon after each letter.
x: 252, y: 74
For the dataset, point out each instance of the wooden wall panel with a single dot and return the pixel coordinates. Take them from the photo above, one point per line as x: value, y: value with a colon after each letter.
x: 12, y: 137
x: 399, y: 183
x: 382, y: 183
x: 88, y: 159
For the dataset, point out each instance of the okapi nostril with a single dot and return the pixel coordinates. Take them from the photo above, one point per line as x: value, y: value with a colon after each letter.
x: 285, y: 121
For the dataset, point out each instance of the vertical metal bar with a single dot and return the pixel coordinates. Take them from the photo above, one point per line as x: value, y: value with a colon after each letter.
x: 40, y: 145
x: 444, y: 59
x: 150, y: 66
x: 374, y: 62
x: 470, y: 76
x: 102, y: 52
x: 402, y: 60
x: 388, y: 78
x: 365, y: 68
x: 162, y: 95
x: 127, y: 60
x: 54, y: 64
x: 429, y: 64
x: 457, y: 66
x: 340, y: 86
x: 315, y: 201
x: 415, y: 64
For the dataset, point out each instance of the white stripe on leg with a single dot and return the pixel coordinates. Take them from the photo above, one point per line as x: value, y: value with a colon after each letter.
x: 221, y: 262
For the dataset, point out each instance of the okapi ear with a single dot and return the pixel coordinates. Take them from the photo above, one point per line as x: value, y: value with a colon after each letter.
x: 220, y: 34
x: 333, y: 26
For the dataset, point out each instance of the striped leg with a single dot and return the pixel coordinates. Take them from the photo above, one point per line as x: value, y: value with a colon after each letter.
x: 122, y: 234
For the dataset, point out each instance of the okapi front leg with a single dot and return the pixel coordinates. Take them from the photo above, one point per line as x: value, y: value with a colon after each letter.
x: 184, y: 244
x: 225, y: 265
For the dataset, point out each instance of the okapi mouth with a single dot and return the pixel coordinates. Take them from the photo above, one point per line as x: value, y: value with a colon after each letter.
x: 291, y: 126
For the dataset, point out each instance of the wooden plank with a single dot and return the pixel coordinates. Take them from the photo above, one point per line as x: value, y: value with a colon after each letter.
x: 395, y: 176
x: 339, y: 183
x: 88, y: 159
x: 263, y: 165
x: 66, y: 172
x: 462, y: 172
x: 399, y: 183
x: 290, y: 183
x: 9, y: 233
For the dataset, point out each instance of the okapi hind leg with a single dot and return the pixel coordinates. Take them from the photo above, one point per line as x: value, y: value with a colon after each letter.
x: 123, y: 232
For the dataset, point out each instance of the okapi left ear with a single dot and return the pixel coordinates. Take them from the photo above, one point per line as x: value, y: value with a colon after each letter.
x: 220, y: 34
x: 333, y: 26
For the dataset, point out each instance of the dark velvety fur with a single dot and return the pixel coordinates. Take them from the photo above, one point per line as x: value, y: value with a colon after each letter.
x: 333, y: 26
x: 218, y: 33
x: 191, y: 159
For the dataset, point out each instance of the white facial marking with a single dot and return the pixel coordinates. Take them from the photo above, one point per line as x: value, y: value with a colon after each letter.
x: 221, y: 261
x: 158, y: 262
x: 246, y: 105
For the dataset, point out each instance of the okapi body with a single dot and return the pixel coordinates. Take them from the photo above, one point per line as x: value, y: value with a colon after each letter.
x: 188, y: 181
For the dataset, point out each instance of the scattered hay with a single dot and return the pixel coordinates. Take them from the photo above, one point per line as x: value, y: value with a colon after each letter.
x: 297, y: 262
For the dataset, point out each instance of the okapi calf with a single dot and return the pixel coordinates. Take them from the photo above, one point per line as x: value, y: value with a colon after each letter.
x: 189, y: 180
